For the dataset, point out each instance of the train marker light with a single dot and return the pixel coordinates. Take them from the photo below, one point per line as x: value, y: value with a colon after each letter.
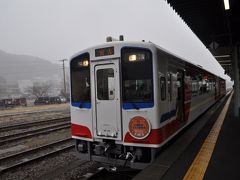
x: 139, y: 127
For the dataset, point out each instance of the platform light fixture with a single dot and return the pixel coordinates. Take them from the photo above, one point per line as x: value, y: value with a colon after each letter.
x: 223, y: 56
x: 224, y: 61
x: 226, y: 4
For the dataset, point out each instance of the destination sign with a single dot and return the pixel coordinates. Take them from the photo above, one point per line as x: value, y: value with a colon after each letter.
x: 104, y: 51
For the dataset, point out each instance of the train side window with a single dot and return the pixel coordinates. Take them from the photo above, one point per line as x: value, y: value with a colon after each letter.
x: 195, y: 85
x: 170, y: 86
x: 163, y: 88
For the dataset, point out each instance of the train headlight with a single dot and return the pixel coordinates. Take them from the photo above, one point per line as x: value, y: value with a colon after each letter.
x: 139, y: 127
x: 83, y: 63
x: 132, y: 57
x: 136, y: 57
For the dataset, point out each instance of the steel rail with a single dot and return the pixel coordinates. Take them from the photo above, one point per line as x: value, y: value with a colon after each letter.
x: 23, y: 161
x: 2, y: 159
x: 24, y: 125
x: 31, y: 133
x: 30, y: 112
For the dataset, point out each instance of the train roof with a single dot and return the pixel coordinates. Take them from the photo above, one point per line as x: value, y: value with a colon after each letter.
x: 142, y: 44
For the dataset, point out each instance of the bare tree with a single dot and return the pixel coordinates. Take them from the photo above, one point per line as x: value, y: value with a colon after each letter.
x: 63, y: 94
x: 3, y: 86
x: 39, y: 89
x: 67, y: 84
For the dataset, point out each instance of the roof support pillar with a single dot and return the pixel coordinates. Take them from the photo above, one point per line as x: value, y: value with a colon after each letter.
x: 236, y: 82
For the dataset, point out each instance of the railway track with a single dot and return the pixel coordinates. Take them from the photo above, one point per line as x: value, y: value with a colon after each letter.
x: 30, y: 124
x: 32, y: 155
x: 31, y: 133
x: 121, y: 173
x: 28, y: 113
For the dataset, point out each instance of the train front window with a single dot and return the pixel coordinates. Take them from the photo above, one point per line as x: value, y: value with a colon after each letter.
x: 80, y: 78
x: 137, y: 81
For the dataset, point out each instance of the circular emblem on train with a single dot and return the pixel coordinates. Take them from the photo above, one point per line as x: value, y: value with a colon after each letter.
x: 139, y: 127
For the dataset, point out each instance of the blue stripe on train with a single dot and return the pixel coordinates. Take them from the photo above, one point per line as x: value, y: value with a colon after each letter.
x: 168, y: 115
x: 137, y: 105
x: 86, y: 105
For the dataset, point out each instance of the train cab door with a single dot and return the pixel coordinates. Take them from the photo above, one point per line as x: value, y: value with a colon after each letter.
x: 107, y: 105
x: 180, y: 96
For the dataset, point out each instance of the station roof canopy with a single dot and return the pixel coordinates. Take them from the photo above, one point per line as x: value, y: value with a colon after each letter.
x: 217, y: 28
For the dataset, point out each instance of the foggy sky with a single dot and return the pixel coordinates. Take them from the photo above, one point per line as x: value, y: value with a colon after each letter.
x: 57, y: 29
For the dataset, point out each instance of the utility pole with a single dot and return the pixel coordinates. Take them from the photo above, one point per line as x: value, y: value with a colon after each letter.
x: 64, y: 80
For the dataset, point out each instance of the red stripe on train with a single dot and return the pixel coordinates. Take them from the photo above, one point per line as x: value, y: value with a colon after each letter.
x: 159, y: 135
x: 81, y: 131
x: 156, y: 136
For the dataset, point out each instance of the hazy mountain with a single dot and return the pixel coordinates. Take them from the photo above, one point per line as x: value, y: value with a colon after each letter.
x: 23, y: 67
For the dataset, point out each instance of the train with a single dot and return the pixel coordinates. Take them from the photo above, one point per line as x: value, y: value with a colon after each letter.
x: 48, y: 100
x: 15, y: 102
x: 128, y: 99
x: 11, y: 103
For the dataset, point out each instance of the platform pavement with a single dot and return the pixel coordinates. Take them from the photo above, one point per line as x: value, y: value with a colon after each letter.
x: 225, y: 161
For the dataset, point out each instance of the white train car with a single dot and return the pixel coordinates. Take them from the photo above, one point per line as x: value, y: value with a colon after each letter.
x: 130, y: 98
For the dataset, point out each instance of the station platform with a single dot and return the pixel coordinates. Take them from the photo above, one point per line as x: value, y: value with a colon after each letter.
x: 224, y: 163
x: 208, y: 149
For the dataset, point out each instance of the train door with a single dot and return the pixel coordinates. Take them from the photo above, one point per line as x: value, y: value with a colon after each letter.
x: 108, y: 122
x: 180, y: 96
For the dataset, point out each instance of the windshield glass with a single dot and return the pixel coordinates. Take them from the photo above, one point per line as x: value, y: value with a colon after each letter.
x: 137, y: 75
x: 80, y: 78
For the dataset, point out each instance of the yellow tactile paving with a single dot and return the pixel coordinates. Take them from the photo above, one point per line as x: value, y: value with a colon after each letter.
x: 200, y: 163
